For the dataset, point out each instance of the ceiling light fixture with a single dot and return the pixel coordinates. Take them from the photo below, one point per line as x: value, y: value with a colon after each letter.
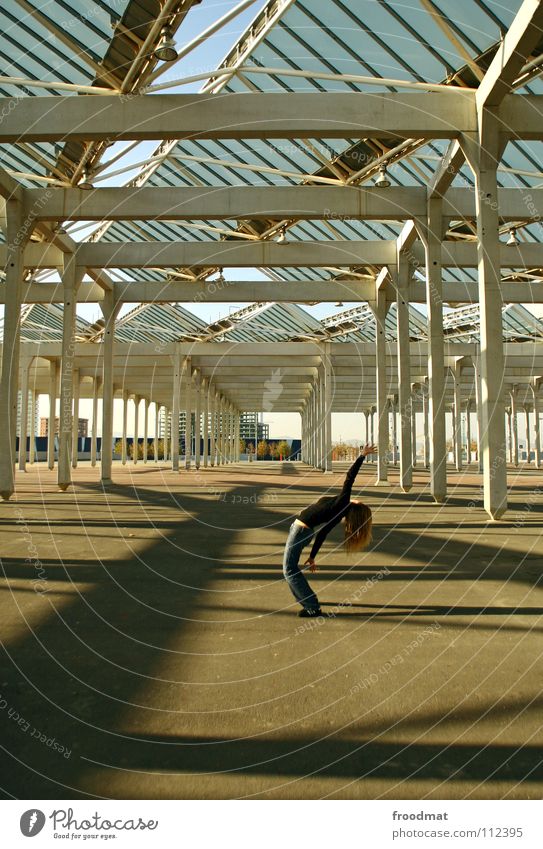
x: 282, y: 237
x: 382, y: 181
x: 166, y: 50
x: 512, y: 240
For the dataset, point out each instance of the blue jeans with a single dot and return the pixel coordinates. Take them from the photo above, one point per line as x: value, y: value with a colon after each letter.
x: 298, y: 537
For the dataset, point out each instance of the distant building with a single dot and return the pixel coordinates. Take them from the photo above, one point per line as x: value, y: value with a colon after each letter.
x: 82, y: 427
x: 247, y: 424
x: 29, y: 421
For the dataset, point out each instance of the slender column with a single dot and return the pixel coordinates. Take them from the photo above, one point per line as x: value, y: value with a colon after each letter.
x: 197, y: 420
x: 124, y: 451
x: 528, y: 436
x: 205, y: 420
x: 32, y: 446
x: 468, y: 431
x: 479, y: 406
x: 426, y: 429
x: 372, y: 425
x: 135, y: 441
x: 514, y: 419
x: 320, y: 419
x: 379, y: 309
x: 483, y: 157
x: 176, y: 390
x: 16, y: 238
x: 110, y: 309
x: 23, y: 417
x: 237, y: 451
x: 404, y: 375
x: 155, y: 440
x: 71, y: 278
x: 75, y: 418
x: 509, y: 434
x: 394, y: 432
x: 188, y: 408
x: 146, y: 403
x: 51, y: 424
x: 167, y: 440
x: 94, y: 427
x: 212, y: 431
x: 230, y: 433
x: 537, y: 426
x: 457, y: 417
x: 327, y: 407
x: 432, y: 238
x: 366, y: 416
x: 413, y: 426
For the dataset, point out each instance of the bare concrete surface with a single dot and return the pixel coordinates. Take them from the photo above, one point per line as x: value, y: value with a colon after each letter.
x: 152, y: 648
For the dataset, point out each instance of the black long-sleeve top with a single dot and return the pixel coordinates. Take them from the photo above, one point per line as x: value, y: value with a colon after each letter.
x: 330, y: 510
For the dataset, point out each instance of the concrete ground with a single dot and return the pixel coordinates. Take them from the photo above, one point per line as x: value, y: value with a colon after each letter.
x: 152, y: 648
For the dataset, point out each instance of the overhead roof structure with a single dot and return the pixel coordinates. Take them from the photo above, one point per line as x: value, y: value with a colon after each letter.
x: 370, y: 154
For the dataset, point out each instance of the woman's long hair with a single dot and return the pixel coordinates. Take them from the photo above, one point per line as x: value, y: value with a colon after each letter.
x: 358, y: 526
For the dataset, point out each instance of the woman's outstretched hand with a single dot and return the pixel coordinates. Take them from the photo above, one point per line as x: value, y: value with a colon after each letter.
x: 368, y: 449
x: 311, y: 563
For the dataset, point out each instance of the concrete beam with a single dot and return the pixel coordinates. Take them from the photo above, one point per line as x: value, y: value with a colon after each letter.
x: 239, y: 115
x: 396, y: 203
x: 515, y: 47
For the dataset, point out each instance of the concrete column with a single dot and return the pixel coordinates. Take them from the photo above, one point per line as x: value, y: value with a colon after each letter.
x: 32, y: 446
x: 327, y: 407
x: 413, y: 427
x: 176, y: 391
x: 94, y: 428
x: 514, y: 420
x: 23, y: 418
x: 509, y: 434
x: 155, y: 440
x: 483, y: 157
x: 372, y: 423
x: 75, y: 418
x: 110, y: 309
x: 188, y: 409
x: 468, y: 431
x: 457, y: 413
x: 432, y: 236
x: 426, y: 428
x: 205, y: 421
x: 54, y: 372
x: 237, y: 451
x: 528, y: 435
x: 16, y: 238
x: 479, y: 406
x: 367, y: 437
x: 167, y: 439
x: 394, y: 432
x: 136, y: 437
x: 379, y: 309
x: 124, y: 450
x: 212, y: 424
x: 537, y: 426
x: 197, y: 420
x: 404, y: 375
x: 146, y: 403
x: 71, y: 278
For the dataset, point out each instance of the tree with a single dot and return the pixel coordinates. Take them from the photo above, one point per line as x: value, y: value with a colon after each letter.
x: 263, y: 449
x: 283, y: 449
x: 242, y: 446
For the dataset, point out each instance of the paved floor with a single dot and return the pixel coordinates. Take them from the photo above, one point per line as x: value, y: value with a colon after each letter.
x: 153, y: 649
